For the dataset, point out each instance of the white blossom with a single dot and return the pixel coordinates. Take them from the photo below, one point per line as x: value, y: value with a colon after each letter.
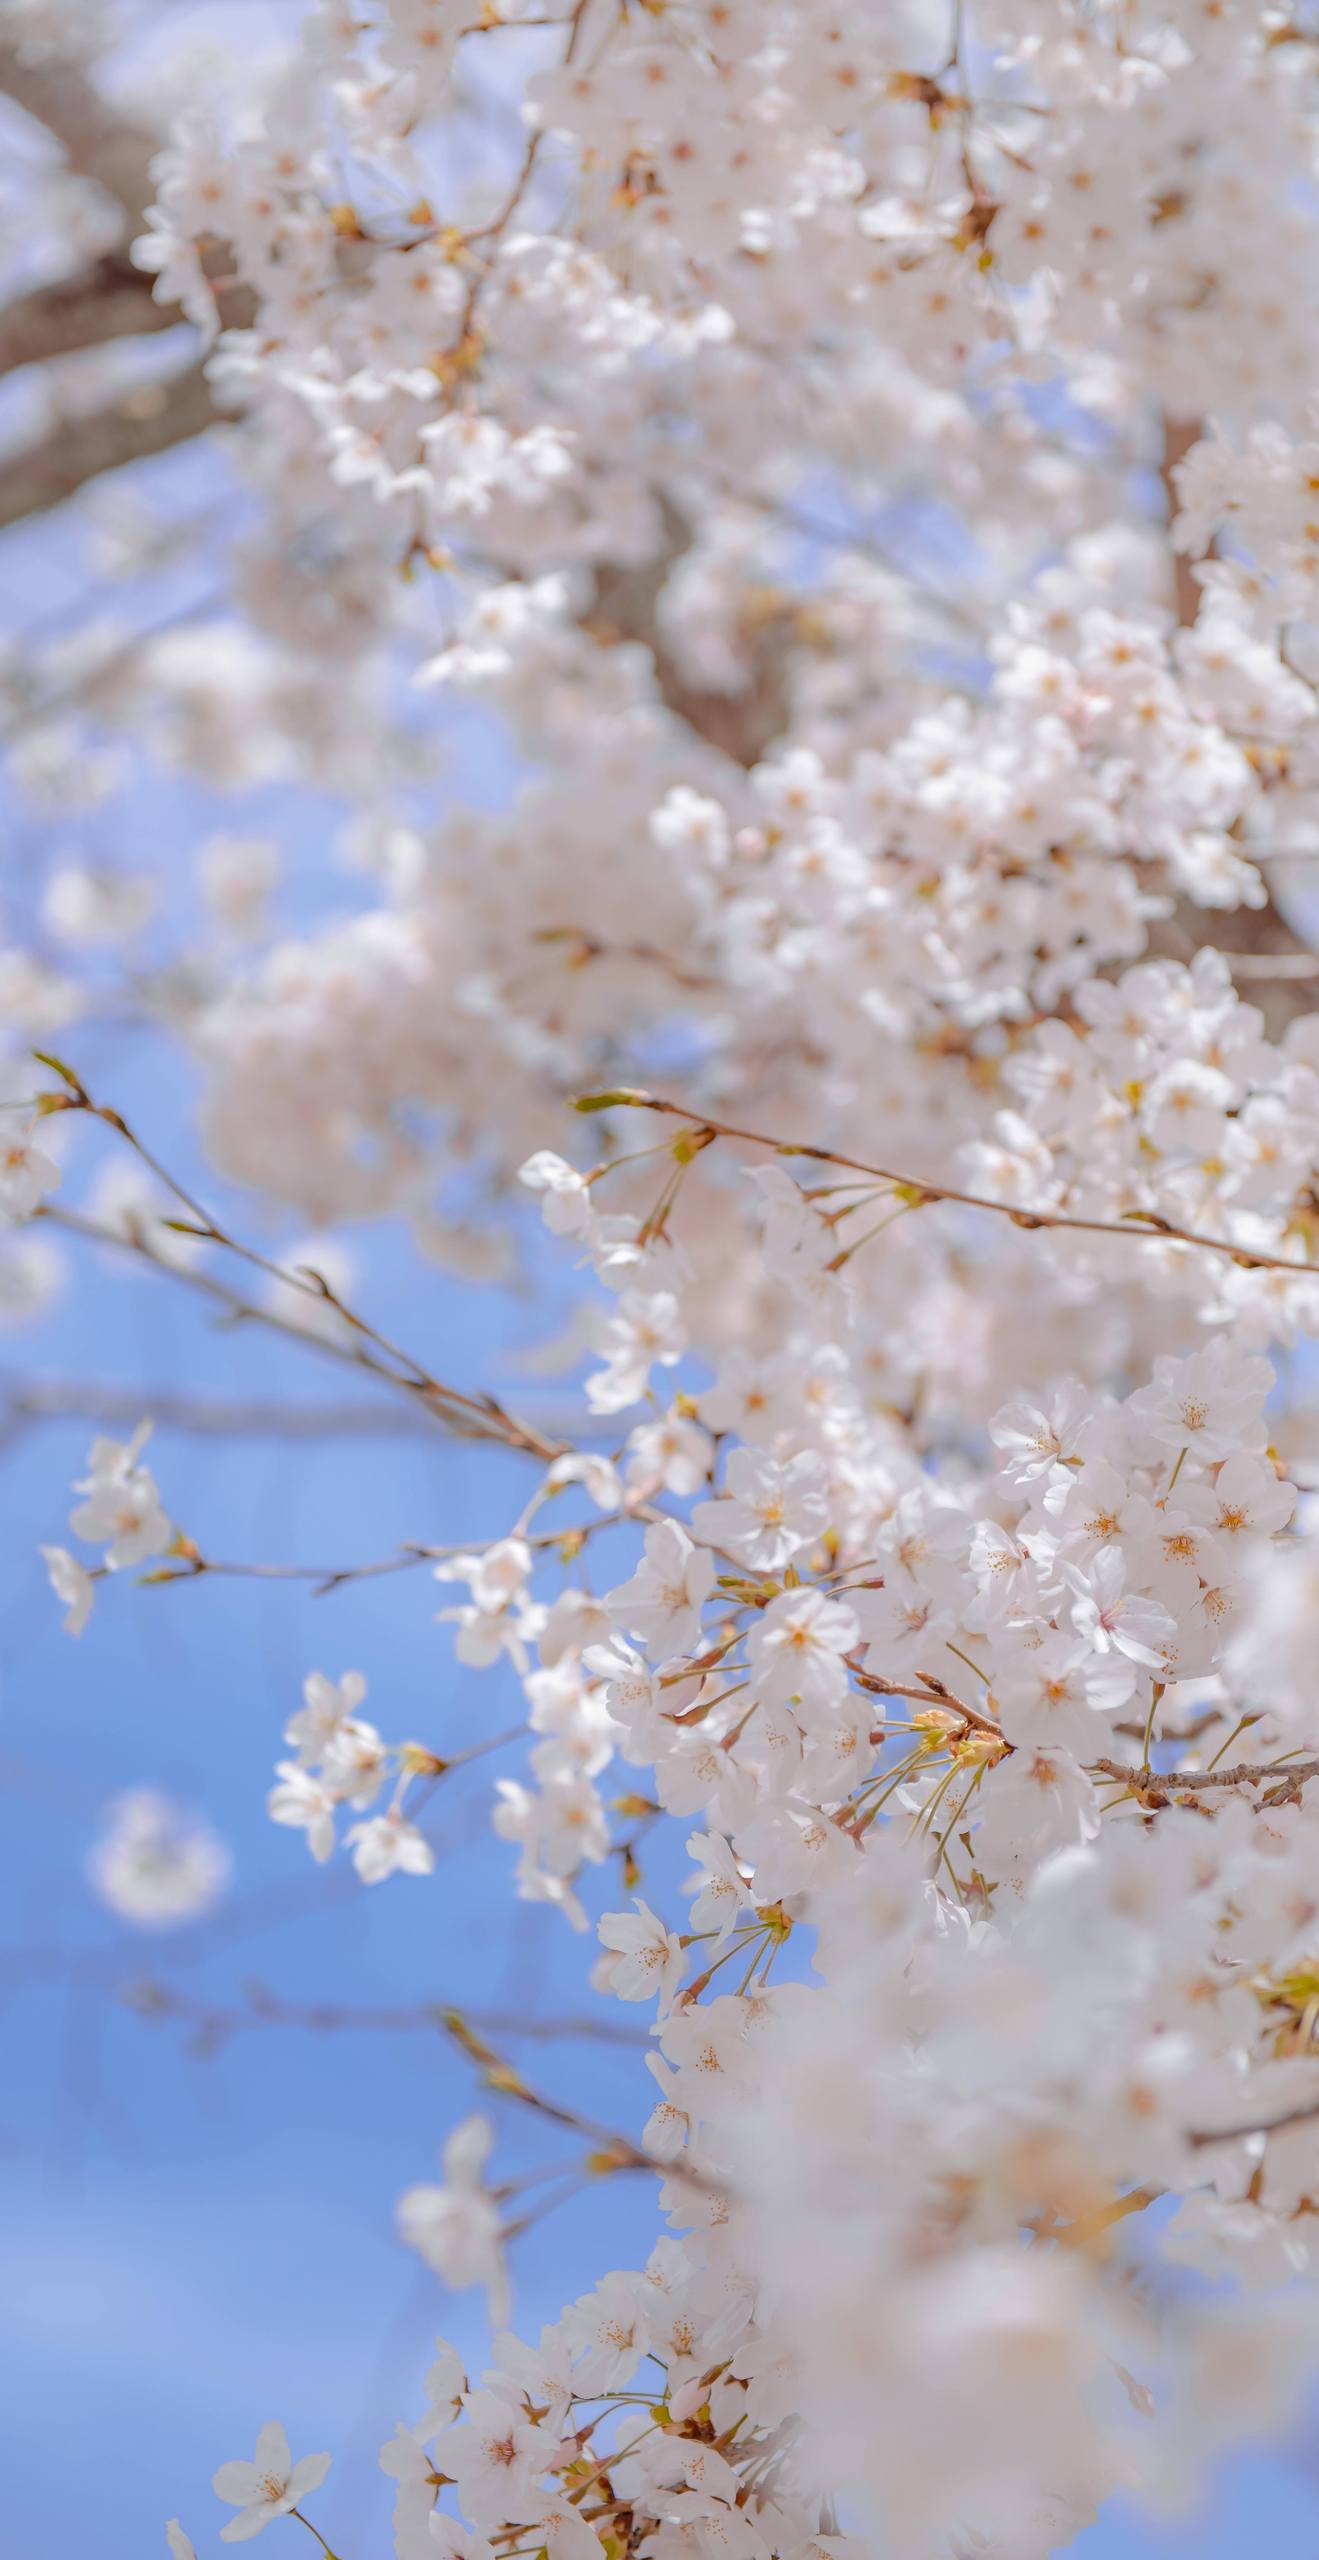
x: 271, y: 2485
x: 155, y: 1864
x: 456, y: 2226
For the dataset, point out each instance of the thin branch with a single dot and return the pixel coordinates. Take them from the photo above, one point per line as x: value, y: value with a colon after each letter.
x: 105, y: 301
x: 493, y: 230
x: 405, y: 1559
x: 1246, y: 1773
x: 410, y: 1374
x: 614, y: 2150
x: 353, y: 1354
x: 216, y: 2024
x: 108, y: 1407
x: 1144, y: 1226
x: 234, y: 1308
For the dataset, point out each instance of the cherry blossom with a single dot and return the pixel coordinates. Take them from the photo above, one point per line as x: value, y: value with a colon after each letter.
x: 456, y: 2226
x: 643, y: 1960
x: 123, y: 1509
x: 269, y: 2486
x: 71, y: 1584
x: 156, y: 1865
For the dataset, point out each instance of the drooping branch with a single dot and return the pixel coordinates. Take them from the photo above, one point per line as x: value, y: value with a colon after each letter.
x: 466, y: 1417
x: 386, y: 1358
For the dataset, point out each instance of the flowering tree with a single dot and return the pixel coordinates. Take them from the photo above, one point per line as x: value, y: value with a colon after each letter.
x: 859, y: 463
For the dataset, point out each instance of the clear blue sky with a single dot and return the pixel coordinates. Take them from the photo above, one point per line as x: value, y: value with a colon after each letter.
x: 194, y: 2244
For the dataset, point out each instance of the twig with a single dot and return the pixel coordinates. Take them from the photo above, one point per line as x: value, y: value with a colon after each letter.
x: 216, y: 2024
x: 370, y: 1348
x: 1146, y: 1226
x: 932, y: 1695
x: 306, y: 1282
x: 613, y: 2151
x: 24, y: 1406
x: 1247, y: 1773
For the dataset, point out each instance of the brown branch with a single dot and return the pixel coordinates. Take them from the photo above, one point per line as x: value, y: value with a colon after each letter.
x: 106, y: 301
x: 615, y: 2150
x: 1143, y: 1226
x: 150, y: 1998
x: 1179, y: 434
x: 108, y: 1407
x: 102, y: 302
x: 97, y: 141
x: 385, y: 1357
x: 326, y: 1578
x: 739, y: 725
x: 1246, y: 1773
x: 147, y: 419
x: 1242, y: 2132
x: 235, y: 1309
x: 1272, y: 964
x: 933, y: 1694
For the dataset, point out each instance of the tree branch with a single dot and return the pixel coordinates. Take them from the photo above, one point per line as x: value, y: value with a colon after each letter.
x: 1143, y: 1226
x: 739, y: 725
x: 146, y: 419
x: 108, y: 1406
x: 97, y: 141
x: 1158, y: 1784
x: 106, y: 300
x: 214, y: 2024
x: 1179, y: 434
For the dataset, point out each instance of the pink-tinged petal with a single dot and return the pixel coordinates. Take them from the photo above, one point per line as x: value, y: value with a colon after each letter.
x: 238, y: 2483
x: 273, y: 2460
x: 308, y: 2474
x: 180, y: 2547
x: 241, y: 2528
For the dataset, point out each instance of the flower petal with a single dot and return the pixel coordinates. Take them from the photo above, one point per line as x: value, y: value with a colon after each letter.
x: 308, y: 2474
x: 238, y: 2483
x: 273, y: 2459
